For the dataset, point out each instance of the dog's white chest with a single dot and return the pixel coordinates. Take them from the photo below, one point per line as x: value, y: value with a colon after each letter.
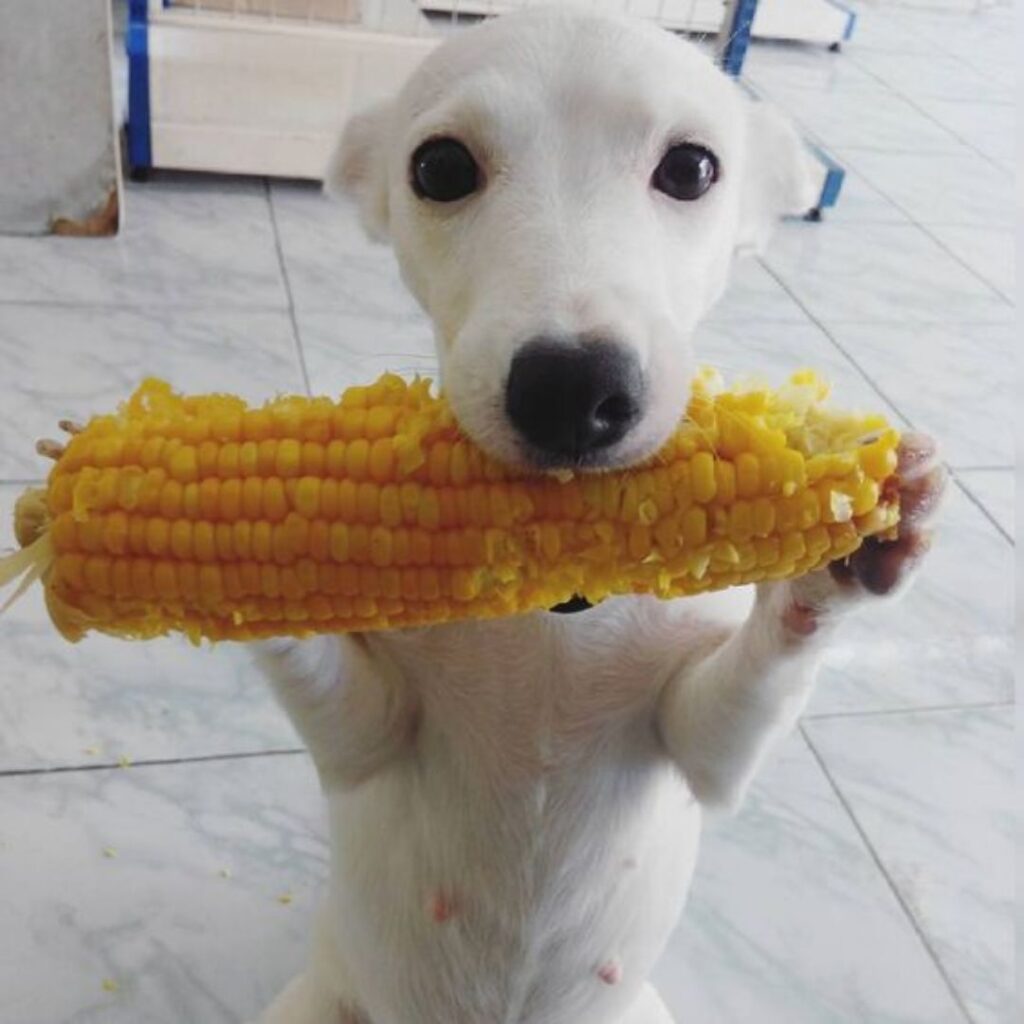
x: 527, y: 863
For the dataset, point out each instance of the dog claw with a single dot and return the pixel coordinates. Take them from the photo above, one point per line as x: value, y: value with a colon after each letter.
x: 917, y: 453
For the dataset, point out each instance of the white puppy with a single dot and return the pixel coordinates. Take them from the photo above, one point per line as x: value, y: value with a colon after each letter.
x: 515, y: 805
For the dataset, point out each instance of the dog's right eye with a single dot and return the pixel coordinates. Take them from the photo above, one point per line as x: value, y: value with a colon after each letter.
x: 686, y: 172
x: 444, y: 170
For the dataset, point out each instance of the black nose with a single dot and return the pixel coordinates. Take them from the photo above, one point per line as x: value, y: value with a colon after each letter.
x: 569, y: 399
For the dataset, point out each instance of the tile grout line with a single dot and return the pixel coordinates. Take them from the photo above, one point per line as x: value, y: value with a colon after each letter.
x: 152, y: 762
x: 949, y: 251
x: 885, y: 195
x: 828, y: 334
x: 927, y: 230
x: 300, y: 354
x: 934, y: 120
x: 796, y: 86
x: 124, y: 307
x: 893, y: 888
x: 926, y: 710
x: 994, y: 83
x: 939, y: 48
x: 129, y: 307
x: 870, y: 381
x: 978, y: 503
x: 821, y: 141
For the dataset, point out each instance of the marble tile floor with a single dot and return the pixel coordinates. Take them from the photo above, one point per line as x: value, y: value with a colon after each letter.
x: 161, y: 833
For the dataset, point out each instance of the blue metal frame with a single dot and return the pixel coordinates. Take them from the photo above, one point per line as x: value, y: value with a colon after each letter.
x: 738, y: 29
x: 851, y: 18
x: 136, y: 44
x: 835, y: 175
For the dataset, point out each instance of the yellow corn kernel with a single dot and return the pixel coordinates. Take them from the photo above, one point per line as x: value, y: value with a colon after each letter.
x: 171, y: 500
x: 183, y: 464
x: 339, y: 542
x: 181, y: 539
x: 695, y: 527
x: 703, y: 477
x: 725, y: 478
x: 203, y: 542
x: 335, y: 456
x: 307, y: 497
x: 249, y: 459
x: 866, y: 496
x: 390, y: 508
x: 288, y: 457
x: 357, y: 456
x: 741, y: 521
x: 319, y: 540
x: 380, y: 421
x: 381, y: 546
x: 314, y: 459
x: 382, y: 460
x: 262, y: 541
x: 136, y: 536
x: 252, y: 497
x: 230, y: 495
x: 274, y: 501
x: 266, y: 457
x: 748, y: 475
x: 347, y: 490
x: 158, y: 537
x: 190, y: 500
x: 209, y: 498
x: 878, y: 458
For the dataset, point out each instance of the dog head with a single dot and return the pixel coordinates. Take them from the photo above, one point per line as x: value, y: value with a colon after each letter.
x: 565, y: 193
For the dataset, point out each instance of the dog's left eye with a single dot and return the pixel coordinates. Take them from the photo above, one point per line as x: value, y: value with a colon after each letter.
x: 444, y: 170
x: 686, y: 172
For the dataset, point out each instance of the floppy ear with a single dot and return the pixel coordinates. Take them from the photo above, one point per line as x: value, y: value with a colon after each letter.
x: 358, y: 168
x: 780, y: 176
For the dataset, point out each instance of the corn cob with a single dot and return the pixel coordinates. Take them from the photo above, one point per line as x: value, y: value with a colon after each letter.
x: 202, y: 515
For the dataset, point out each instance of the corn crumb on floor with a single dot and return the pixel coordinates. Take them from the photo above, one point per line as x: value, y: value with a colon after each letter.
x: 203, y: 515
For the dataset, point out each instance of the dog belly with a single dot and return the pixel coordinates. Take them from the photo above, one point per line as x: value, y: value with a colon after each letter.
x: 447, y: 912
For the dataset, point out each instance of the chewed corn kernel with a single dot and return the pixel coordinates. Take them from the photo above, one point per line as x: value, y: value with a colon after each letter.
x: 841, y: 507
x: 200, y: 515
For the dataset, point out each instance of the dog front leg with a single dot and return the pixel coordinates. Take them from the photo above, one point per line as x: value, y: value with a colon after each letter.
x: 719, y: 716
x: 354, y: 712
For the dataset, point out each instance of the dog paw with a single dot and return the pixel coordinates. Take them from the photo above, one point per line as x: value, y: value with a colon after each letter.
x: 878, y: 568
x: 882, y: 567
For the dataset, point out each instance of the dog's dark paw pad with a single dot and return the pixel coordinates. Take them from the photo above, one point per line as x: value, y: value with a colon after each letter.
x: 881, y: 567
